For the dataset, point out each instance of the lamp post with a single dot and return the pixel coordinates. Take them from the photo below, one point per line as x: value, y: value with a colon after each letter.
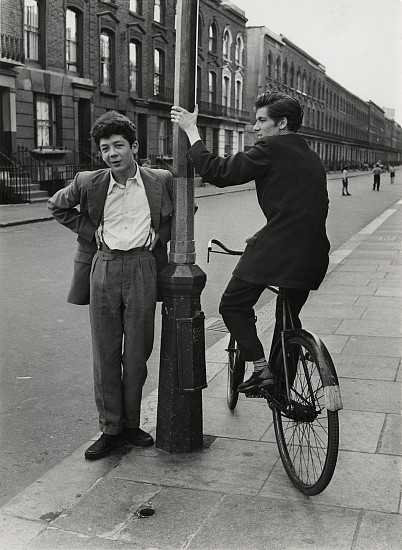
x: 182, y: 358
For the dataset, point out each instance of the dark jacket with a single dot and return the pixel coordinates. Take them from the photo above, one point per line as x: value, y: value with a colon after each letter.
x: 291, y: 250
x: 88, y: 190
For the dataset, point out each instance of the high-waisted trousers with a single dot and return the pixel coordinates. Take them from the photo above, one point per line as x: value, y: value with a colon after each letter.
x: 122, y: 312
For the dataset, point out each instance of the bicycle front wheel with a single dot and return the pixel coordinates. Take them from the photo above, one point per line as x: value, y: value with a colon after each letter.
x: 307, y: 433
x: 236, y: 369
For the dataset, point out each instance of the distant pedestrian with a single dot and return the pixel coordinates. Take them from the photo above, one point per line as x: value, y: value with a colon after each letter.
x: 377, y: 176
x: 392, y: 173
x: 345, y: 191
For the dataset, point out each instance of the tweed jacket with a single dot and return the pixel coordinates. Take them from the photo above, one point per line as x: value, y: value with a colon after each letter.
x: 88, y: 190
x: 291, y: 250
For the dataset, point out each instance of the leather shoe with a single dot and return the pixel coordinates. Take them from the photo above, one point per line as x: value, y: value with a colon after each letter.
x: 138, y: 437
x: 258, y: 380
x: 104, y: 445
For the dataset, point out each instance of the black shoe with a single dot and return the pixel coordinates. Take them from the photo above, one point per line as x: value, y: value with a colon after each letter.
x: 104, y: 445
x: 257, y: 380
x: 138, y: 437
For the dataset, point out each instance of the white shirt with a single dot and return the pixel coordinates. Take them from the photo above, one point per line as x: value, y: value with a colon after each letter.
x: 126, y: 215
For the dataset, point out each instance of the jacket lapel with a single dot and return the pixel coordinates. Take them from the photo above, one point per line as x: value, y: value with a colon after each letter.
x: 154, y: 195
x: 97, y: 192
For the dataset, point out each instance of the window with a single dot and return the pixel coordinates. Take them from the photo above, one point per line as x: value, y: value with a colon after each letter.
x: 164, y: 137
x: 200, y: 29
x: 159, y: 11
x: 199, y: 80
x: 292, y: 76
x: 285, y: 73
x: 31, y: 29
x: 228, y: 142
x: 277, y: 69
x: 158, y: 71
x: 71, y: 40
x: 106, y: 59
x: 135, y: 6
x: 226, y: 44
x: 213, y: 33
x: 226, y: 91
x: 212, y: 87
x: 304, y: 83
x: 238, y: 94
x: 269, y: 65
x: 47, y: 130
x: 239, y: 49
x: 134, y: 60
x: 298, y: 82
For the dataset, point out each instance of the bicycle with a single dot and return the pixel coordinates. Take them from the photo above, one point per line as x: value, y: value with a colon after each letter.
x: 305, y: 399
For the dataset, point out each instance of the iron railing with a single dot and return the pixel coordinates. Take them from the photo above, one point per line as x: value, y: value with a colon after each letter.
x: 20, y: 170
x: 222, y: 111
x: 12, y: 48
x: 15, y: 186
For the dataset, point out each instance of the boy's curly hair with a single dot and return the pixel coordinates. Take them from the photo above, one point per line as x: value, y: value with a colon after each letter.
x: 112, y: 123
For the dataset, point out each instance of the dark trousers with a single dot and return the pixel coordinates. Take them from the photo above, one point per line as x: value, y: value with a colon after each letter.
x: 122, y: 312
x: 376, y: 184
x: 237, y: 309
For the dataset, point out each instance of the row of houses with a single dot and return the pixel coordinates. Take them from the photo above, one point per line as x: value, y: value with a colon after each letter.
x: 65, y: 62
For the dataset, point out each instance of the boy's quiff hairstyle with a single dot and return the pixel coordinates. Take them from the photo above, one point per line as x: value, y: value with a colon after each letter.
x: 113, y: 123
x: 280, y: 105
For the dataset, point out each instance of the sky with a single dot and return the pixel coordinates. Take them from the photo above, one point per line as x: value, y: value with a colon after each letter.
x: 358, y: 41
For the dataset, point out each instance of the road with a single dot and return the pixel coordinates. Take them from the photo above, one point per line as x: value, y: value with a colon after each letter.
x: 47, y: 407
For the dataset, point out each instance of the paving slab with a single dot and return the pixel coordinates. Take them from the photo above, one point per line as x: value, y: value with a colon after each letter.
x: 365, y: 366
x: 379, y: 532
x: 332, y: 311
x: 349, y: 278
x: 361, y: 481
x: 330, y: 299
x: 366, y: 261
x: 389, y: 291
x: 375, y: 346
x: 391, y: 313
x: 348, y: 267
x: 109, y: 513
x: 371, y: 395
x: 390, y: 282
x: 65, y: 483
x: 228, y: 465
x: 321, y: 325
x: 363, y: 253
x: 15, y: 533
x: 249, y: 420
x: 334, y: 342
x: 57, y: 539
x: 274, y: 524
x: 351, y: 290
x: 358, y: 431
x: 369, y: 327
x: 390, y: 441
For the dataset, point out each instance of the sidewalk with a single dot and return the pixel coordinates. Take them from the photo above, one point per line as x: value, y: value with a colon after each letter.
x: 234, y: 493
x: 18, y: 214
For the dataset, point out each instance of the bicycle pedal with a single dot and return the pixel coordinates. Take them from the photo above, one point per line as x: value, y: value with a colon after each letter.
x: 261, y: 393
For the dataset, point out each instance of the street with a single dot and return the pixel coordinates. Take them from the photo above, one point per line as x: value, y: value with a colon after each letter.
x: 47, y: 407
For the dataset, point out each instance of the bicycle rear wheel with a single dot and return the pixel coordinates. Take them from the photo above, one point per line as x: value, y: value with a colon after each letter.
x: 236, y: 368
x: 307, y: 433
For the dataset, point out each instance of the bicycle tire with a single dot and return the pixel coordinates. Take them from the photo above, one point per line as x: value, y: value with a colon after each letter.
x: 235, y: 373
x: 308, y: 434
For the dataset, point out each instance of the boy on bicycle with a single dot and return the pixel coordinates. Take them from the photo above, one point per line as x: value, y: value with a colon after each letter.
x: 291, y: 250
